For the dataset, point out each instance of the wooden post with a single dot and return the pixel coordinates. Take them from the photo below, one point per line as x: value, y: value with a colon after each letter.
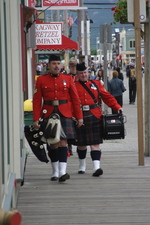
x: 146, y: 88
x: 139, y: 81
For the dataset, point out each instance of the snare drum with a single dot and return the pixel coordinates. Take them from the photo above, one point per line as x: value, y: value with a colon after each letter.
x: 113, y: 126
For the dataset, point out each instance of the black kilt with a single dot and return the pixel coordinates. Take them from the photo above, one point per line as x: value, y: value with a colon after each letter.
x: 91, y: 132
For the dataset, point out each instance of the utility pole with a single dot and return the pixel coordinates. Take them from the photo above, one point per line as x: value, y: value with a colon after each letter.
x: 66, y: 55
x: 139, y: 81
x: 87, y: 41
x: 81, y: 17
x: 148, y: 152
x: 105, y: 39
x: 146, y: 87
x: 105, y: 54
x: 117, y: 34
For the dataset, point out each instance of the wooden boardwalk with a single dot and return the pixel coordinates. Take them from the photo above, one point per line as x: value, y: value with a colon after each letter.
x: 121, y: 196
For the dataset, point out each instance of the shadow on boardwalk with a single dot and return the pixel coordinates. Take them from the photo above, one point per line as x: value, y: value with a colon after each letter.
x: 119, y: 197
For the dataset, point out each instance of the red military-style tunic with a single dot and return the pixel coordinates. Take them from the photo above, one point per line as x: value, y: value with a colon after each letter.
x: 74, y: 77
x: 86, y: 98
x: 50, y: 88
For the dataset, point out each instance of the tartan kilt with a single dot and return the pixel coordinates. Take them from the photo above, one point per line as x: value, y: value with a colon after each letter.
x: 68, y: 125
x: 91, y: 132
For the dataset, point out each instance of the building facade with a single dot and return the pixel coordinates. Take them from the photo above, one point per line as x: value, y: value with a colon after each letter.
x: 13, y: 79
x: 127, y: 43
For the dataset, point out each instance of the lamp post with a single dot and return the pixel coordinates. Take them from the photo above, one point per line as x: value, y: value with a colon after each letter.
x: 120, y: 47
x: 98, y: 50
x: 117, y: 35
x: 139, y: 82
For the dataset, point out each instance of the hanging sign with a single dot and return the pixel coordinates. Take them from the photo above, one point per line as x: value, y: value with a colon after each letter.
x: 48, y: 33
x: 60, y: 3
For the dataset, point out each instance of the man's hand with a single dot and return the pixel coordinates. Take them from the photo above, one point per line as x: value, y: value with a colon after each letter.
x: 36, y: 124
x: 79, y: 122
x: 120, y: 110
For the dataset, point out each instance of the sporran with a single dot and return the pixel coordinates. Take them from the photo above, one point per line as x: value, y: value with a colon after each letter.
x: 53, y: 130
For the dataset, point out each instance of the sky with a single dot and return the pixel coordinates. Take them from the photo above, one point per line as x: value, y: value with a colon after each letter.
x: 100, y: 13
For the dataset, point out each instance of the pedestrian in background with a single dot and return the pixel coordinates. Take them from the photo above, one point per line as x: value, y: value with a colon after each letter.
x: 56, y: 93
x: 93, y: 70
x: 120, y: 75
x: 131, y: 74
x: 100, y: 76
x: 72, y: 68
x: 38, y: 69
x: 72, y: 72
x: 116, y: 88
x: 90, y: 93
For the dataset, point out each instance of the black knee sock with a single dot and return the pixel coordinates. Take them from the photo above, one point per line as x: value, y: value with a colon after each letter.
x: 81, y: 153
x: 62, y: 154
x: 53, y: 154
x: 95, y: 155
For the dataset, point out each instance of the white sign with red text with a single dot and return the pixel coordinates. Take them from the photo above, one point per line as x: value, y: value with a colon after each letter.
x: 60, y: 3
x: 48, y: 33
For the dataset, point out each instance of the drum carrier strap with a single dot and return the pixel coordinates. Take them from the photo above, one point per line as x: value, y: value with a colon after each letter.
x: 91, y: 93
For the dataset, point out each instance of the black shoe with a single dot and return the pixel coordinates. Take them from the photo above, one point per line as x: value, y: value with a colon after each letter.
x: 98, y: 172
x: 81, y: 172
x: 54, y: 178
x: 64, y: 177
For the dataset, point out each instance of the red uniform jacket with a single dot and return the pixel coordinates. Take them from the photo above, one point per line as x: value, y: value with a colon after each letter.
x: 50, y: 88
x: 86, y: 98
x: 75, y: 78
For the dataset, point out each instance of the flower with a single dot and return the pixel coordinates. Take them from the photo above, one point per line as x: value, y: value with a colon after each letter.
x: 120, y: 11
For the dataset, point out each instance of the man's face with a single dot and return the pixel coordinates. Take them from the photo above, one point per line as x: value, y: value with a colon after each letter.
x: 83, y: 75
x: 55, y: 67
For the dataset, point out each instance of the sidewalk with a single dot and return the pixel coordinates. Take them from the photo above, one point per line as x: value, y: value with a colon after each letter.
x: 119, y: 197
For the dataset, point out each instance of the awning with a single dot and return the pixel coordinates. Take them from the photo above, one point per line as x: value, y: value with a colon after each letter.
x: 119, y: 57
x: 67, y: 44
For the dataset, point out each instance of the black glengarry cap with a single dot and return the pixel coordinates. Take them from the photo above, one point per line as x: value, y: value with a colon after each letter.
x: 54, y: 58
x: 81, y: 66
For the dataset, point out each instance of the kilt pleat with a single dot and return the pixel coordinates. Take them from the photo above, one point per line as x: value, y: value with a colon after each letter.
x: 91, y: 132
x: 68, y: 125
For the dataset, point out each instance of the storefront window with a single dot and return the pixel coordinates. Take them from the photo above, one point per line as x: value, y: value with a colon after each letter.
x: 132, y: 43
x: 38, y: 3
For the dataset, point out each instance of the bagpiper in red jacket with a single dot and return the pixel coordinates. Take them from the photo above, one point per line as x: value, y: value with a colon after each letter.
x: 87, y: 100
x: 61, y: 87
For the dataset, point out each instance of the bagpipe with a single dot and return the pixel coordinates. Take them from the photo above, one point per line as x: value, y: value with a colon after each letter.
x: 33, y: 137
x: 49, y: 132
